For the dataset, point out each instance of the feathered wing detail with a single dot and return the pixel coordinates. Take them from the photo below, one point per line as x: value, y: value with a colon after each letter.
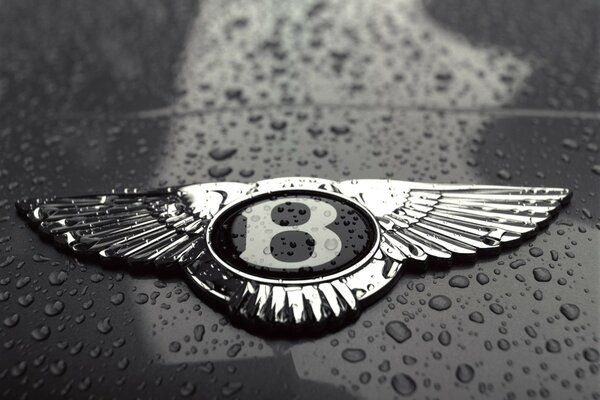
x: 160, y: 227
x: 422, y: 221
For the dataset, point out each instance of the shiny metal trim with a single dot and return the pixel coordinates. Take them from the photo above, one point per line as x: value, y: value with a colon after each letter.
x: 171, y: 227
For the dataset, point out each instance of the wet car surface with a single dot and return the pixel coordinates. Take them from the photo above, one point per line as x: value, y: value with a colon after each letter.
x: 130, y: 94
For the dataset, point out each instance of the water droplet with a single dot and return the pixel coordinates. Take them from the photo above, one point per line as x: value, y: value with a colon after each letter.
x: 231, y: 388
x: 246, y: 173
x: 174, y: 346
x: 570, y: 311
x: 440, y: 302
x: 58, y: 368
x: 84, y: 384
x: 465, y: 373
x: 398, y: 331
x: 218, y: 171
x: 22, y: 282
x: 445, y: 338
x: 591, y: 354
x: 234, y: 350
x: 408, y: 360
x: 530, y: 331
x: 187, y: 389
x: 553, y: 346
x: 320, y: 153
x: 9, y: 260
x: 25, y: 300
x: 57, y: 278
x: 123, y: 363
x: 476, y: 317
x: 403, y: 384
x: 340, y: 130
x: 497, y: 308
x: 482, y: 278
x: 18, y: 369
x: 570, y: 144
x: 364, y: 378
x: 206, y: 367
x: 353, y: 355
x: 541, y: 274
x: 40, y: 333
x: 104, y: 326
x: 117, y: 298
x: 40, y: 258
x: 536, y: 251
x: 278, y: 125
x: 459, y: 281
x: 11, y: 320
x: 199, y: 332
x: 141, y: 298
x: 52, y: 309
x: 222, y: 154
x: 331, y: 244
x: 504, y: 174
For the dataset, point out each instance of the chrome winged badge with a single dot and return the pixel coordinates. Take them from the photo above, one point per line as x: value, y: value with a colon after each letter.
x: 295, y: 253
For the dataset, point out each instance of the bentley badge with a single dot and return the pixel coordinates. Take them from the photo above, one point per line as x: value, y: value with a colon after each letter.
x: 298, y: 254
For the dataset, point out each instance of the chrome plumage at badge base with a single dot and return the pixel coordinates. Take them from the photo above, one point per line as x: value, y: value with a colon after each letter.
x: 299, y: 254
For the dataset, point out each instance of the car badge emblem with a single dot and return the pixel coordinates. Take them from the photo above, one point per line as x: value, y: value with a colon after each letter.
x: 295, y: 254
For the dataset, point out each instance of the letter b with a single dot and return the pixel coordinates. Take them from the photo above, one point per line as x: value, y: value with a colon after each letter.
x: 261, y: 229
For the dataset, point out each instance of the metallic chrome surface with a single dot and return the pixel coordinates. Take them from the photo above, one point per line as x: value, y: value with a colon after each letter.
x: 173, y: 226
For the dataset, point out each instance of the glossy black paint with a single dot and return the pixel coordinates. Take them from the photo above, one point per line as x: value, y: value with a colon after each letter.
x: 97, y: 95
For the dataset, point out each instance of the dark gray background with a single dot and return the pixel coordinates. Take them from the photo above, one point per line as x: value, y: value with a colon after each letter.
x: 96, y: 95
